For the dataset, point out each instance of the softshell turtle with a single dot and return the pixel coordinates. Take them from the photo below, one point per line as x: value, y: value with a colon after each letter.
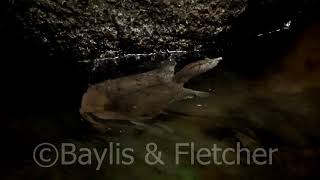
x: 141, y: 96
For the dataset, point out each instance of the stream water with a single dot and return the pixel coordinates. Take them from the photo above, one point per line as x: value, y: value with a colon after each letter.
x: 277, y: 109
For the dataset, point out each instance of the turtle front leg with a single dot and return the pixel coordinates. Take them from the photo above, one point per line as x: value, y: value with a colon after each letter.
x: 100, y: 127
x: 190, y: 93
x: 107, y: 115
x: 195, y: 69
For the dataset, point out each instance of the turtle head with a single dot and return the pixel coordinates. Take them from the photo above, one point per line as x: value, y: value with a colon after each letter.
x: 168, y: 65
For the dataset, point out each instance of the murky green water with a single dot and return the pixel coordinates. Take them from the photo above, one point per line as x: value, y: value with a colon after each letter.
x: 279, y: 109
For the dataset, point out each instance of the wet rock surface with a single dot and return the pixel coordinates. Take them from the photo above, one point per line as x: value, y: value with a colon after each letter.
x: 115, y: 38
x: 103, y: 28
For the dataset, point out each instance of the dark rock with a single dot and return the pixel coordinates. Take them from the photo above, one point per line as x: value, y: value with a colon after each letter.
x: 114, y: 38
x: 104, y: 28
